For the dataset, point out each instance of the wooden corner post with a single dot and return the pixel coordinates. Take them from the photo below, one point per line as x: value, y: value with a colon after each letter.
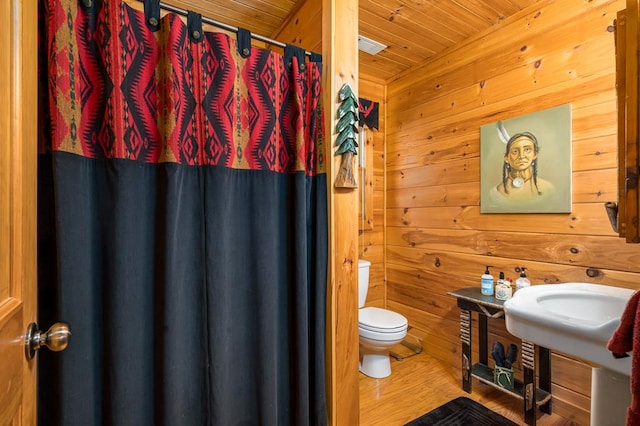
x: 340, y: 58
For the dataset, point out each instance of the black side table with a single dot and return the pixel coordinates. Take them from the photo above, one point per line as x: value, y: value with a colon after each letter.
x: 472, y: 300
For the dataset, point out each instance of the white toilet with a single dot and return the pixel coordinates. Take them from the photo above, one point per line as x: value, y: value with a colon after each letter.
x: 379, y: 329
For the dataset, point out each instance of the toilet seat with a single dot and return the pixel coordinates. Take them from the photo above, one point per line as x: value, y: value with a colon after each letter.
x: 381, y: 321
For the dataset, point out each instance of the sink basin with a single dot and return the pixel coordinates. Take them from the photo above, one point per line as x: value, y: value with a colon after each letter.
x: 573, y: 318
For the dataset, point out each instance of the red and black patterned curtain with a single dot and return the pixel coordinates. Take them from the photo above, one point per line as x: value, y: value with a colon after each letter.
x: 182, y: 223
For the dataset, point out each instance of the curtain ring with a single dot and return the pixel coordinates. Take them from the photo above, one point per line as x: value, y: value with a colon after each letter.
x: 152, y: 14
x: 290, y: 51
x: 88, y: 5
x: 194, y: 26
x: 244, y: 42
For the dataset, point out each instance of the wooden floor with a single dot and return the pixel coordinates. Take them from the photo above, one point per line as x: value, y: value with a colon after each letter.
x: 420, y: 383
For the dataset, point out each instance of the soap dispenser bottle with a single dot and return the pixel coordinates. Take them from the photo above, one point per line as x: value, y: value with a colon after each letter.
x: 523, y: 281
x: 486, y: 283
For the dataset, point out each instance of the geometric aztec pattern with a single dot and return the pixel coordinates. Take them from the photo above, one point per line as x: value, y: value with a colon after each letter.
x: 110, y: 87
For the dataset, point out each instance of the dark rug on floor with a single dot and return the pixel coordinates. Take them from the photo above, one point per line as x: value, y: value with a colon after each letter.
x: 461, y: 411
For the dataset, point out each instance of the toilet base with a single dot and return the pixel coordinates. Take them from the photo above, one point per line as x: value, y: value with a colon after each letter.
x: 377, y: 366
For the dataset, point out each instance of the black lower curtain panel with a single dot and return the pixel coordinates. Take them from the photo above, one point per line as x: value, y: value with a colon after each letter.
x: 182, y: 223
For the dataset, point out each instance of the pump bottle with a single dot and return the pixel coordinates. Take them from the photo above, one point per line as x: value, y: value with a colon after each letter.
x: 523, y: 281
x: 486, y: 283
x: 503, y: 288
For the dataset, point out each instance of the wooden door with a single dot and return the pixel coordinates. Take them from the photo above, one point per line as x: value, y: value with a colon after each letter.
x: 18, y: 156
x: 628, y: 90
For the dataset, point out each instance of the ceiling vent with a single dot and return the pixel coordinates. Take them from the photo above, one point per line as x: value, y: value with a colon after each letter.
x: 370, y: 46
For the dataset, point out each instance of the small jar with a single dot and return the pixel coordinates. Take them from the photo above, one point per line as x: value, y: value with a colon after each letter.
x: 503, y: 290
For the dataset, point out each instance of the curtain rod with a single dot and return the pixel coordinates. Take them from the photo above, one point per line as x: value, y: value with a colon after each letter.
x: 184, y: 12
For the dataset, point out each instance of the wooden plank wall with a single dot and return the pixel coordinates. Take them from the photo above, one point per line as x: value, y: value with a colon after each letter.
x: 303, y: 26
x: 554, y: 53
x: 372, y: 240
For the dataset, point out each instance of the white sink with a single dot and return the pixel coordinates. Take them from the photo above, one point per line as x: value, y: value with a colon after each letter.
x: 574, y: 318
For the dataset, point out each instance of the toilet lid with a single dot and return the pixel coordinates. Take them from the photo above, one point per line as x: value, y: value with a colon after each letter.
x: 381, y: 320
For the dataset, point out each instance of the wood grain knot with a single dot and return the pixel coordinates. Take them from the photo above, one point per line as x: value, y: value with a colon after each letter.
x: 593, y: 272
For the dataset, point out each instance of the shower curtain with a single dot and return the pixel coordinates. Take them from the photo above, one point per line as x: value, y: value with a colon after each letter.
x: 182, y: 222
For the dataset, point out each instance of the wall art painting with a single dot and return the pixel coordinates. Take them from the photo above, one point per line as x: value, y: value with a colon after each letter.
x: 525, y: 163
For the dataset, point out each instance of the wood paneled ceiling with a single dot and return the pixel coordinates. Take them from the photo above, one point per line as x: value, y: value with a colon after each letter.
x: 413, y: 30
x: 416, y: 30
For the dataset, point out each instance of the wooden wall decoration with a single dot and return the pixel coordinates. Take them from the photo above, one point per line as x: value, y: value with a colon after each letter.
x: 347, y: 140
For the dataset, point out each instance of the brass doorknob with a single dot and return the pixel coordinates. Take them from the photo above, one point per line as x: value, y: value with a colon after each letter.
x: 56, y: 338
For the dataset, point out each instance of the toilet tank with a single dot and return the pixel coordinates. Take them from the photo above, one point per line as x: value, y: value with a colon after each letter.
x: 363, y: 281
